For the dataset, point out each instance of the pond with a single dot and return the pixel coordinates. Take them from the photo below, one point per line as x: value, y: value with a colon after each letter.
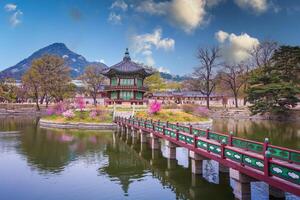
x: 52, y: 164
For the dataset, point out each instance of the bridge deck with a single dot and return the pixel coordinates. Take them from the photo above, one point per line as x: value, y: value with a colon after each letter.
x: 277, y: 166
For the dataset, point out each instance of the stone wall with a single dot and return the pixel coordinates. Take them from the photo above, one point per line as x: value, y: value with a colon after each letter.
x: 77, y: 125
x: 21, y: 109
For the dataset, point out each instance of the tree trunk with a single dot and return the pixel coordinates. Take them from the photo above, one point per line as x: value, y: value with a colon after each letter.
x: 47, y: 102
x: 207, y: 101
x: 245, y: 101
x: 236, y: 100
x: 37, y: 104
x: 95, y: 101
x: 42, y: 99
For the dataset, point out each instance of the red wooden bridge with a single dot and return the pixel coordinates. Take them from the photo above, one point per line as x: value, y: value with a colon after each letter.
x: 277, y: 166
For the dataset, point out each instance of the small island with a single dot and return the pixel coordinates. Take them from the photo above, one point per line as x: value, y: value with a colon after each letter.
x: 78, y: 116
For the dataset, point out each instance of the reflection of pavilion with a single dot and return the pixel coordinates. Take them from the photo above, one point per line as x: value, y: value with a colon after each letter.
x: 123, y: 166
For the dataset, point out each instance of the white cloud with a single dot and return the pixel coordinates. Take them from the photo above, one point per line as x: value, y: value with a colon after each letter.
x: 186, y: 14
x: 163, y: 69
x: 15, y: 20
x: 221, y: 36
x: 235, y: 48
x: 114, y: 18
x: 143, y: 44
x: 119, y: 4
x: 258, y: 6
x: 10, y: 7
x: 153, y: 8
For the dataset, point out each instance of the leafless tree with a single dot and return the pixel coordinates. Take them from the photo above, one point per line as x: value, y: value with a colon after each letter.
x: 233, y: 77
x: 93, y: 80
x: 205, y: 74
x: 261, y: 54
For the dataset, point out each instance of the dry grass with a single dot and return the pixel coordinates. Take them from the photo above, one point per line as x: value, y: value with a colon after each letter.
x: 171, y: 116
x: 82, y: 117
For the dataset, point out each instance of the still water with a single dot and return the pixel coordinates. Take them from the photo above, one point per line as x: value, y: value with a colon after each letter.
x: 52, y: 164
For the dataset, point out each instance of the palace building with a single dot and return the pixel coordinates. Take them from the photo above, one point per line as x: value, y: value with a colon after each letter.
x: 126, y: 82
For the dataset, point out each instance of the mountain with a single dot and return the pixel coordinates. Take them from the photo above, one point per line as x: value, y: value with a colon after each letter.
x: 171, y: 77
x: 76, y: 62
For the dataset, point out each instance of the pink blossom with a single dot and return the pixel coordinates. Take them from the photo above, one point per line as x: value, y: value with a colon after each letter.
x: 202, y: 111
x: 59, y: 108
x: 68, y: 114
x: 80, y: 103
x: 66, y: 138
x: 155, y: 107
x: 93, y: 139
x: 93, y: 114
x: 50, y: 111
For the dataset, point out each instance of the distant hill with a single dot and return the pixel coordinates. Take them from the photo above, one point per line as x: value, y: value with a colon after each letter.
x: 76, y: 62
x: 171, y: 77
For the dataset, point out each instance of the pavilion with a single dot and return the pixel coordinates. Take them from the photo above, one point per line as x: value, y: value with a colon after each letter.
x: 126, y: 82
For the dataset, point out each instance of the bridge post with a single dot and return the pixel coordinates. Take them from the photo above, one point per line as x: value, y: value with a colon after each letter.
x: 242, y: 186
x: 154, y: 156
x: 143, y: 137
x: 133, y: 132
x: 196, y: 162
x: 207, y: 133
x: 134, y: 137
x: 171, y: 163
x: 154, y: 141
x: 223, y: 168
x: 171, y: 149
x: 230, y: 138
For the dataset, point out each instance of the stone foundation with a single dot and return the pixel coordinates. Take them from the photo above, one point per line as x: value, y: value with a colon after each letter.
x: 77, y: 125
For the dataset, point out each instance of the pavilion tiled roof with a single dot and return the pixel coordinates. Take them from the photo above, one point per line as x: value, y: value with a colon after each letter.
x: 127, y: 66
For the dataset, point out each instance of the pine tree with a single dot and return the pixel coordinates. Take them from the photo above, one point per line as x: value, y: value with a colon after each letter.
x: 275, y: 88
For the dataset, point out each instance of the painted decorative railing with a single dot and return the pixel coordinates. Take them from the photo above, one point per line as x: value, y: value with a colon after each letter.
x: 127, y: 87
x: 269, y: 159
x: 281, y: 153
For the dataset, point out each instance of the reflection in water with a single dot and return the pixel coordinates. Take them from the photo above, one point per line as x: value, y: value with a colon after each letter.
x: 63, y: 164
x: 182, y: 155
x: 211, y: 171
x: 260, y: 189
x: 286, y: 134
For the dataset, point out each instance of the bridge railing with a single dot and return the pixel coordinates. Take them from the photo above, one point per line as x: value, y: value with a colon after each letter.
x: 256, y: 155
x: 281, y: 153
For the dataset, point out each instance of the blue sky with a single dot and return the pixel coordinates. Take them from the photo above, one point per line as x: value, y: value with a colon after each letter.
x: 165, y: 34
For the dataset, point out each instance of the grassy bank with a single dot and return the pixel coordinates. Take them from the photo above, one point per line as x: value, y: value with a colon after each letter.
x: 171, y: 116
x: 82, y: 116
